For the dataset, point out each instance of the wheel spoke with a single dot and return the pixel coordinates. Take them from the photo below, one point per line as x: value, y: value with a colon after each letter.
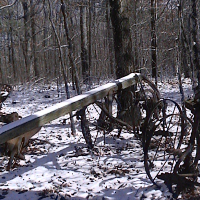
x: 164, y: 144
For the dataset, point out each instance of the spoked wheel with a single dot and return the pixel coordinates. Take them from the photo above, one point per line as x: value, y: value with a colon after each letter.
x: 144, y: 97
x: 165, y: 139
x: 109, y: 118
x: 148, y: 93
x: 97, y: 122
x: 101, y: 119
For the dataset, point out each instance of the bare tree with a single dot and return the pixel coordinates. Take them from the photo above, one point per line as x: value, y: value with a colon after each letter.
x: 26, y: 41
x: 195, y: 42
x: 84, y: 124
x: 63, y: 67
x: 34, y: 39
x: 122, y: 37
x: 11, y: 48
x: 123, y: 52
x: 45, y: 40
x: 84, y: 49
x: 153, y: 40
x: 143, y: 39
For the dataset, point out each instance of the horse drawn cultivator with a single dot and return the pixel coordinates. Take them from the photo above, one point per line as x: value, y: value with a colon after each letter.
x: 170, y: 137
x: 169, y: 133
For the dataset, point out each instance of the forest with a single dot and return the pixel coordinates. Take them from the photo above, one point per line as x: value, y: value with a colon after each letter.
x: 134, y: 138
x: 97, y: 39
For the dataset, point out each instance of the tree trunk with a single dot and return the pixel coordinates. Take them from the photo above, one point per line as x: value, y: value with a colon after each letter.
x: 109, y: 40
x: 195, y: 44
x: 90, y: 39
x: 183, y: 44
x: 84, y: 49
x: 12, y: 52
x: 26, y: 42
x: 122, y: 37
x: 153, y: 40
x: 71, y: 56
x: 84, y: 124
x: 33, y: 29
x: 45, y: 43
x: 123, y: 52
x: 136, y: 63
x: 61, y: 59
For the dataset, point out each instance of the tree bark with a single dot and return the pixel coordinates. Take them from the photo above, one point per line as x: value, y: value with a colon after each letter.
x: 153, y: 40
x: 90, y: 39
x: 195, y: 43
x: 26, y: 42
x: 34, y: 40
x: 136, y: 62
x: 122, y: 37
x: 63, y: 69
x: 184, y: 47
x: 123, y: 52
x: 84, y: 49
x: 109, y: 40
x: 45, y: 43
x: 71, y: 56
x: 84, y: 124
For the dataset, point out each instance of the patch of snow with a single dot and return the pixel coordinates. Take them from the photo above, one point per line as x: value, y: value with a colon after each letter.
x: 58, y: 165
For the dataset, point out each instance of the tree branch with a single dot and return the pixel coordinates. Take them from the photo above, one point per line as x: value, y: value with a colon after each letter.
x: 8, y: 6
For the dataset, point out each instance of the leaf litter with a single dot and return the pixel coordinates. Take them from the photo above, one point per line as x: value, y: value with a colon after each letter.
x: 58, y: 165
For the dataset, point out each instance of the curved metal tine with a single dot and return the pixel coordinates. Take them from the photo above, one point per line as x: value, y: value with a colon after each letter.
x: 183, y: 156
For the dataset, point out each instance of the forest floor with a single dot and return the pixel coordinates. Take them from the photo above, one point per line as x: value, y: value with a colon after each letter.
x: 58, y: 165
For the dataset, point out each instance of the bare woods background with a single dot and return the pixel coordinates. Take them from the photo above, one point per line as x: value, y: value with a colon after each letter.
x: 45, y: 39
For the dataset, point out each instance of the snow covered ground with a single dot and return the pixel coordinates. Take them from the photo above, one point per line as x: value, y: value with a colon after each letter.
x: 58, y: 165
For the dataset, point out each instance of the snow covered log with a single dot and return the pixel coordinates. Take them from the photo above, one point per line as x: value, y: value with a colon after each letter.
x: 42, y: 117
